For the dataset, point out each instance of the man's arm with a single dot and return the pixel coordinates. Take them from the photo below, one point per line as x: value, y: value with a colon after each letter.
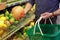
x: 57, y: 12
x: 29, y: 5
x: 47, y: 14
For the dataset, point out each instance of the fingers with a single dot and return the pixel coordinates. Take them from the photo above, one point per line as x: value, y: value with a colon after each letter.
x: 45, y: 15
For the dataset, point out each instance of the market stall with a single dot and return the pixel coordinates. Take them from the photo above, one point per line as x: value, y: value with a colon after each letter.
x: 12, y: 29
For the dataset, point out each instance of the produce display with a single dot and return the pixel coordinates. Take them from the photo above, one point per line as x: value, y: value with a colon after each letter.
x: 12, y: 1
x: 7, y: 21
x: 9, y: 1
x: 21, y: 34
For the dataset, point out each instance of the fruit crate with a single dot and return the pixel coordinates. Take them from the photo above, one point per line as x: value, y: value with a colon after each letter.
x: 21, y: 23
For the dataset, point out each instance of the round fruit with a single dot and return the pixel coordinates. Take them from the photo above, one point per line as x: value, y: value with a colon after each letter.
x: 2, y: 18
x: 7, y: 18
x: 10, y: 15
x: 12, y: 20
x: 1, y: 24
x: 6, y: 13
x: 5, y: 26
x: 2, y: 15
x: 32, y: 23
x: 15, y: 22
x: 18, y: 12
x: 7, y: 23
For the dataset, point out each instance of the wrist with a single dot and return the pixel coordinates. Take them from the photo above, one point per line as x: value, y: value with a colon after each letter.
x: 51, y: 14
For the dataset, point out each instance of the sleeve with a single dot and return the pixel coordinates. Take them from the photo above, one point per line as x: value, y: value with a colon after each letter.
x: 31, y: 2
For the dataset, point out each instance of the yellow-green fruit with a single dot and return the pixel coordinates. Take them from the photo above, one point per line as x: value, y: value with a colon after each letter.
x: 2, y: 18
x: 10, y: 15
x: 16, y: 22
x: 32, y: 23
x: 1, y: 23
x: 6, y: 13
x: 19, y: 39
x: 7, y: 18
x: 2, y: 15
x: 5, y: 25
x: 12, y: 20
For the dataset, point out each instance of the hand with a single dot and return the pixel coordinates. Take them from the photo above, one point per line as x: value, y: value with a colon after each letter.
x: 46, y: 15
x: 25, y: 11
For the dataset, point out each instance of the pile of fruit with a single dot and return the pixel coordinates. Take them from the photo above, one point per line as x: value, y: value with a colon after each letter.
x: 21, y: 34
x: 6, y: 20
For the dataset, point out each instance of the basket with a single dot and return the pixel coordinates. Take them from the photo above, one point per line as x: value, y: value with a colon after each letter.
x: 44, y: 32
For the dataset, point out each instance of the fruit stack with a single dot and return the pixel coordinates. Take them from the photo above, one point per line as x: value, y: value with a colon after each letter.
x: 9, y: 18
x: 6, y: 20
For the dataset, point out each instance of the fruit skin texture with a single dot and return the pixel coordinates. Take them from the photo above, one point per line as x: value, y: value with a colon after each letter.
x: 3, y: 26
x: 18, y: 12
x: 12, y: 20
x: 1, y: 23
x: 2, y: 18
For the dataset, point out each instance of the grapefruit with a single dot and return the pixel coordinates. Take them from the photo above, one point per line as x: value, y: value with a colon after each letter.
x: 17, y: 12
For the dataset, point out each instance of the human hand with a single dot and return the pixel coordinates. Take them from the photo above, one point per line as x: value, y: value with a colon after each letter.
x: 46, y: 15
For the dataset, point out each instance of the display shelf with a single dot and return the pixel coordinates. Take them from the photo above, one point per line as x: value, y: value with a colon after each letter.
x: 13, y: 3
x: 16, y: 3
x: 28, y: 17
x: 25, y: 20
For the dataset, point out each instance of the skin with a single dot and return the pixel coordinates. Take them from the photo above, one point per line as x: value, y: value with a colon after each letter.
x: 44, y: 15
x: 47, y: 14
x: 27, y: 7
